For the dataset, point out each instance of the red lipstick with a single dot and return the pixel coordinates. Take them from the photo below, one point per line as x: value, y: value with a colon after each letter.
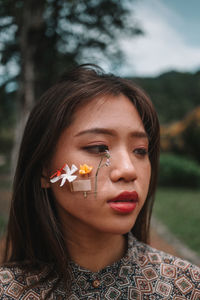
x: 124, y: 202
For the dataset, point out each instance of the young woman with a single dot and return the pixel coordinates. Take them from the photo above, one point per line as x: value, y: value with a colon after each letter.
x: 83, y: 195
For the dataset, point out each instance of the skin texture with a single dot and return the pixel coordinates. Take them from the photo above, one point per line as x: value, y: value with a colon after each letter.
x: 93, y: 231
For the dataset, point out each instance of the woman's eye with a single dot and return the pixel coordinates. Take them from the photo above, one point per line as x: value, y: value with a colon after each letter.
x: 141, y: 151
x: 96, y: 149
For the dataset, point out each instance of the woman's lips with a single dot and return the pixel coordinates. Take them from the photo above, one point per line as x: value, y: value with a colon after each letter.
x: 124, y: 202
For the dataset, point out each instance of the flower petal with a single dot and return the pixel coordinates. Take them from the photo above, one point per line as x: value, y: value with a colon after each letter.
x: 73, y: 169
x: 64, y: 178
x: 71, y: 178
x: 54, y: 179
x: 85, y: 169
x: 66, y: 169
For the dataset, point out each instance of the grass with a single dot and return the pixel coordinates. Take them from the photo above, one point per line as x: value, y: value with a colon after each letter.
x: 179, y: 210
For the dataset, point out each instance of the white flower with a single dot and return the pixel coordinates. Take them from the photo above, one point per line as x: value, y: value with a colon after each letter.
x: 67, y: 176
x: 107, y: 155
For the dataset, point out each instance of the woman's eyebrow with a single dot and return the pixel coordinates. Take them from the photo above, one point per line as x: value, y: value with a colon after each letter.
x: 139, y: 134
x: 98, y: 130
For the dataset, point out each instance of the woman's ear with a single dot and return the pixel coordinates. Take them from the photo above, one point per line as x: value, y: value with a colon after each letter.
x: 45, y: 183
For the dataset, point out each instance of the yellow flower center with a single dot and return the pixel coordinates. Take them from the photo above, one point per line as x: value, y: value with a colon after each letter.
x: 85, y: 169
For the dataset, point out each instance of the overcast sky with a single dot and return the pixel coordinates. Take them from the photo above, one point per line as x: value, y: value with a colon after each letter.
x: 171, y: 40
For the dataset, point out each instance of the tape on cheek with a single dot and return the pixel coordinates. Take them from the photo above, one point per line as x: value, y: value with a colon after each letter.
x: 81, y: 185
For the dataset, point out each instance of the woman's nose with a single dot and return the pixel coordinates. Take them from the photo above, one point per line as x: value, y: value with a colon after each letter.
x: 122, y: 167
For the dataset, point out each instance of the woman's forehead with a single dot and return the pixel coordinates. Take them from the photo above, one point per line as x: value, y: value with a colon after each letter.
x: 110, y: 112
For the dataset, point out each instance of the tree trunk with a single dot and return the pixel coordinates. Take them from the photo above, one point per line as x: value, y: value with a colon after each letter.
x: 30, y: 24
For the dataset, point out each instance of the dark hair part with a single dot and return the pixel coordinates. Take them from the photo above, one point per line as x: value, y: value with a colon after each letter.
x: 34, y: 232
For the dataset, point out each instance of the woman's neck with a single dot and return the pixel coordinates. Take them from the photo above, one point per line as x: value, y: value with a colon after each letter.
x: 95, y: 251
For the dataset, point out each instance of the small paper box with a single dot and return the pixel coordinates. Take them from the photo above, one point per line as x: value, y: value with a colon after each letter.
x: 81, y: 185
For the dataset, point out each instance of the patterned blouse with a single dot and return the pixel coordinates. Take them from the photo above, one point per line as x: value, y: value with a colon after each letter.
x: 143, y: 273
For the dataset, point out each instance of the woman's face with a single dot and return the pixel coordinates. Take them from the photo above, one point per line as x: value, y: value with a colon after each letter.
x: 111, y: 123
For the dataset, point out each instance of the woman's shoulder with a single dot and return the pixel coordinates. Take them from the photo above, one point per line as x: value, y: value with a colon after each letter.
x: 20, y: 282
x: 149, y: 255
x: 153, y: 264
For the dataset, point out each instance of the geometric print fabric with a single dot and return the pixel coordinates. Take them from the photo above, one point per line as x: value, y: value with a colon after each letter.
x: 143, y: 273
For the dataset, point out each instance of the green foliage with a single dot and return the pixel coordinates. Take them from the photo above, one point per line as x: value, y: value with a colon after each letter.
x: 6, y: 144
x: 174, y: 94
x: 191, y: 138
x: 183, y: 137
x: 178, y: 171
x: 179, y: 210
x: 7, y: 109
x: 6, y: 138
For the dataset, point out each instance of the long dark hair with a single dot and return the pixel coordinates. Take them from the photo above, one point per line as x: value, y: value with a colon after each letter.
x: 34, y: 231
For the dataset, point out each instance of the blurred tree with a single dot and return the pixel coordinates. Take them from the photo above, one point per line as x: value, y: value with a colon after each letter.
x: 174, y: 94
x: 191, y: 134
x: 40, y: 37
x: 183, y: 137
